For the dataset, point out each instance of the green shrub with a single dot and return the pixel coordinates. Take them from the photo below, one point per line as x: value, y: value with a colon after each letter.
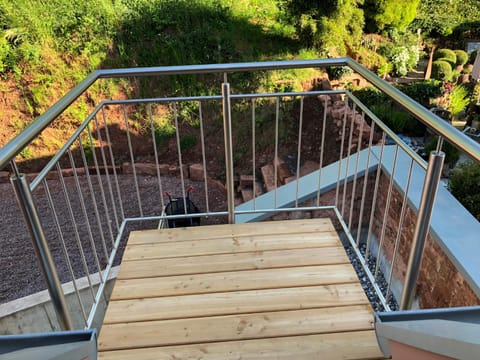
x: 187, y: 142
x: 441, y: 70
x: 400, y: 122
x: 338, y: 72
x: 464, y: 184
x: 404, y: 58
x: 462, y: 57
x: 447, y: 54
x: 459, y: 99
x: 422, y: 92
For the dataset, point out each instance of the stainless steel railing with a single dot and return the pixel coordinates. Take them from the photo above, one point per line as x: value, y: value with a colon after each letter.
x: 89, y: 211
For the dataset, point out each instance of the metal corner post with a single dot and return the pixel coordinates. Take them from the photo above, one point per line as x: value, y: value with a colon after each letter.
x: 25, y: 200
x: 429, y: 192
x: 227, y: 130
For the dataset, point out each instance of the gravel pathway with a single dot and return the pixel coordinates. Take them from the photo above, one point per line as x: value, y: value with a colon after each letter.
x: 20, y: 273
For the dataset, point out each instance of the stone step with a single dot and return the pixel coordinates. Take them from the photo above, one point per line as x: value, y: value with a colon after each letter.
x: 268, y: 176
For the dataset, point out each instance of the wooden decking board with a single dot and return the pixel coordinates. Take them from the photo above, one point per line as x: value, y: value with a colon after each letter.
x: 234, y: 281
x: 270, y: 290
x: 230, y: 245
x: 333, y: 346
x: 238, y: 302
x: 236, y: 327
x: 232, y: 262
x: 229, y: 231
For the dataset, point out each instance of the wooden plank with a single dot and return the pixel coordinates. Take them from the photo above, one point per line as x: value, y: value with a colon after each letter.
x: 343, y: 345
x: 227, y: 230
x: 175, y: 307
x: 231, y: 262
x: 230, y: 245
x: 235, y: 327
x: 234, y: 281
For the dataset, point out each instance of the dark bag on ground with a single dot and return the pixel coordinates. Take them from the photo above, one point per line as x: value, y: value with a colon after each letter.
x: 176, y: 206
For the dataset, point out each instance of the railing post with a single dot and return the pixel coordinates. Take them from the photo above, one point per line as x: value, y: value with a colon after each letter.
x: 25, y: 200
x: 227, y: 131
x: 429, y: 192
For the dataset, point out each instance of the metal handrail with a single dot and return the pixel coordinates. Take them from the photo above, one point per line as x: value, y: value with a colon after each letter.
x: 351, y: 106
x: 463, y: 142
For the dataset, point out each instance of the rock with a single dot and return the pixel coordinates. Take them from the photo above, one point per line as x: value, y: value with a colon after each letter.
x: 283, y: 171
x: 290, y: 179
x: 196, y: 172
x: 216, y: 185
x: 308, y: 167
x: 338, y: 114
x: 258, y: 188
x: 247, y: 194
x: 268, y: 177
x: 146, y: 169
x: 4, y: 176
x: 174, y: 170
x: 246, y: 180
x: 127, y: 168
x: 325, y: 100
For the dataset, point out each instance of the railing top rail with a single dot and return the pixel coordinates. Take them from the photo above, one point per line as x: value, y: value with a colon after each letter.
x: 12, y: 148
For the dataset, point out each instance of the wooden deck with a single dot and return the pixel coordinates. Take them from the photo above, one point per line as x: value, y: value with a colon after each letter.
x: 267, y: 290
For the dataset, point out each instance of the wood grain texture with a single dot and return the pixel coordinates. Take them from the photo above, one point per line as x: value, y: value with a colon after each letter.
x: 269, y: 290
x: 333, y: 346
x: 234, y: 281
x: 263, y: 259
x: 235, y: 327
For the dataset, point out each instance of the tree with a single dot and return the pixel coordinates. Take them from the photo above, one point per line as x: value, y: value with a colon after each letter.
x: 440, y: 17
x: 389, y: 14
x: 333, y: 26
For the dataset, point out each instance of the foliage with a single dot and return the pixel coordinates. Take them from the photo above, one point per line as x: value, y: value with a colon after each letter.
x: 462, y: 57
x: 440, y: 17
x: 404, y: 59
x: 441, y: 70
x: 446, y: 55
x: 464, y: 184
x: 387, y: 14
x: 423, y: 91
x: 331, y: 26
x: 396, y: 119
x: 459, y: 99
x: 338, y: 72
x: 163, y: 130
x: 187, y: 142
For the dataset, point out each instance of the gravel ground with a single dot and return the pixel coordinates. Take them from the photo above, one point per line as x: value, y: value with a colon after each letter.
x: 366, y: 284
x: 20, y: 272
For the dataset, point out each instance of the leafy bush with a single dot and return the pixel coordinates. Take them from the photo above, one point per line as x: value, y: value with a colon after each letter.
x: 404, y: 59
x: 459, y: 99
x: 462, y: 57
x: 441, y: 70
x: 187, y: 142
x: 464, y: 184
x: 445, y: 54
x: 338, y: 72
x: 422, y: 92
x: 400, y: 121
x: 382, y: 14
